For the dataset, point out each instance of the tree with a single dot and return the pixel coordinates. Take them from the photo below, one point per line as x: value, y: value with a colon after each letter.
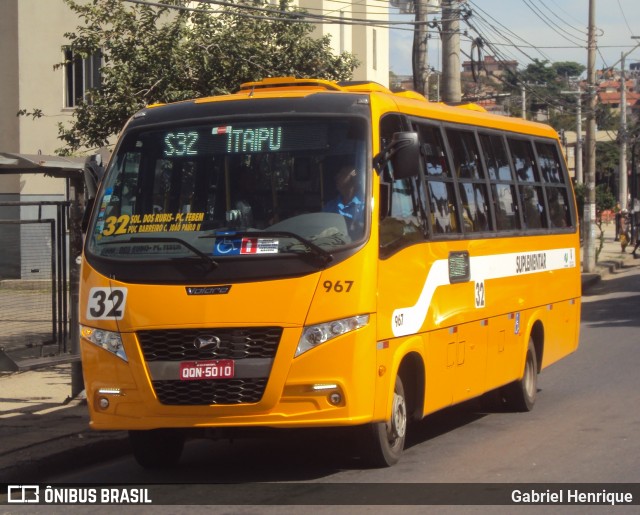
x: 607, y: 162
x: 161, y: 54
x: 568, y: 69
x: 544, y: 83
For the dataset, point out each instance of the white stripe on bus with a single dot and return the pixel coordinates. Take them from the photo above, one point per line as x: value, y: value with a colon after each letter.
x: 409, y: 320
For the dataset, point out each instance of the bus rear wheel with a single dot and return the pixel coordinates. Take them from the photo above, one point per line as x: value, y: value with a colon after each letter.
x: 157, y: 448
x: 383, y: 442
x: 521, y: 395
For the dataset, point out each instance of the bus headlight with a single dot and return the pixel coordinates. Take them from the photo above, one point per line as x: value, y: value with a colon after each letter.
x: 314, y: 335
x: 108, y: 340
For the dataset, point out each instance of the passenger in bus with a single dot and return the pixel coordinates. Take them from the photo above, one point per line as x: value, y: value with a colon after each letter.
x: 348, y: 201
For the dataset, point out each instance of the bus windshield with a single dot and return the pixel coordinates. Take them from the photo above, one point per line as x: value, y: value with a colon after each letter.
x: 232, y: 188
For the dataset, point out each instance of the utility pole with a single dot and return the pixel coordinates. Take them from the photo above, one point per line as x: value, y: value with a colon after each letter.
x: 523, y: 93
x: 419, y: 53
x: 589, y: 217
x: 578, y: 157
x: 452, y: 89
x: 622, y: 134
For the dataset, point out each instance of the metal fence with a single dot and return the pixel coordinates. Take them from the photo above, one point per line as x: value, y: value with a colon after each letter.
x: 34, y: 285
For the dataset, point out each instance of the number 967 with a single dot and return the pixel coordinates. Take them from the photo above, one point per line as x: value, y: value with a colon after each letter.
x: 337, y: 286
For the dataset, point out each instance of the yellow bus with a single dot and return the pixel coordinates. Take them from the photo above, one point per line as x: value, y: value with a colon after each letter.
x: 304, y: 253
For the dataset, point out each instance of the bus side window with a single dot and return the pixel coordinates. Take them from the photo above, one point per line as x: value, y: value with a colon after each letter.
x: 533, y: 206
x: 555, y: 187
x: 503, y: 190
x: 440, y: 186
x: 559, y: 211
x: 471, y: 181
x: 530, y: 187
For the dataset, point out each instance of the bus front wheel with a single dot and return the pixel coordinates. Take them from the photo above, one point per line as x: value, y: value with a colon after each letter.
x: 383, y: 442
x: 521, y: 395
x: 157, y: 448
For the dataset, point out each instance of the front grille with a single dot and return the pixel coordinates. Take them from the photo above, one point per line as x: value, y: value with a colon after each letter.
x: 235, y: 343
x: 202, y: 393
x: 239, y: 344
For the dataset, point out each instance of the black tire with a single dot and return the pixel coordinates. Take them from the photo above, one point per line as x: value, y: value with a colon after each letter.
x: 382, y: 443
x: 157, y: 448
x: 521, y: 395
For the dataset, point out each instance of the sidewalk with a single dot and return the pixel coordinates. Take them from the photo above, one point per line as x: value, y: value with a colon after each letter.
x: 42, y: 428
x: 43, y: 431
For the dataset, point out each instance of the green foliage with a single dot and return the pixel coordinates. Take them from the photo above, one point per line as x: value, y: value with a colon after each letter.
x: 568, y: 69
x: 605, y: 199
x: 34, y: 114
x: 159, y: 55
x: 607, y: 156
x: 544, y: 83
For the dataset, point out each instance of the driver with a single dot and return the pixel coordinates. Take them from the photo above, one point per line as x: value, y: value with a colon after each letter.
x: 347, y: 202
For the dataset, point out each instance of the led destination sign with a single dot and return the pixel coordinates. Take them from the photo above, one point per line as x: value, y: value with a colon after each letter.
x: 258, y: 139
x: 245, y: 139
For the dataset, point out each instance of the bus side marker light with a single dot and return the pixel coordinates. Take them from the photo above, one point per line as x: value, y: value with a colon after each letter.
x: 382, y: 370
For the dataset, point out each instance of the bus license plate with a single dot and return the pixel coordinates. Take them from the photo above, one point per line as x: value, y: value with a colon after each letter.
x: 199, y: 370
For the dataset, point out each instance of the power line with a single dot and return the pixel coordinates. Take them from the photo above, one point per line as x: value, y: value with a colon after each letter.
x: 581, y: 31
x: 292, y: 16
x: 551, y: 24
x: 624, y: 17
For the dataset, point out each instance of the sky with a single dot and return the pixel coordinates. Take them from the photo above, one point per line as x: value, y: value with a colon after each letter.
x: 523, y: 30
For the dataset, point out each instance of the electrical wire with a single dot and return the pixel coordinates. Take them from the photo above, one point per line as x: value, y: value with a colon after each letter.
x: 624, y: 17
x: 552, y: 25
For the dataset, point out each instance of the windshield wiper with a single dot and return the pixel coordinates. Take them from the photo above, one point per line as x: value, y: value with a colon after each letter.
x: 206, y: 259
x: 316, y: 251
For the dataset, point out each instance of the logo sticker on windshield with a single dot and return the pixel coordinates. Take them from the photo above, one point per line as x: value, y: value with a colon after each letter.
x: 230, y: 246
x: 259, y: 246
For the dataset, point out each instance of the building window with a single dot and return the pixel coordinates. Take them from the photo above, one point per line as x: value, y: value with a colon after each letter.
x: 81, y: 75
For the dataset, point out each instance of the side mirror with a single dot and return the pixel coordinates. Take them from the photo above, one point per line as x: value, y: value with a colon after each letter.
x: 93, y: 172
x: 403, y: 153
x: 87, y: 214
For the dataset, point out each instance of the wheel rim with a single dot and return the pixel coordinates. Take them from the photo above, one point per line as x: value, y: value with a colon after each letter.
x: 397, y: 426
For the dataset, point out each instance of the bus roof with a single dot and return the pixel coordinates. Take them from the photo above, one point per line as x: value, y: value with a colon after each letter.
x: 407, y: 102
